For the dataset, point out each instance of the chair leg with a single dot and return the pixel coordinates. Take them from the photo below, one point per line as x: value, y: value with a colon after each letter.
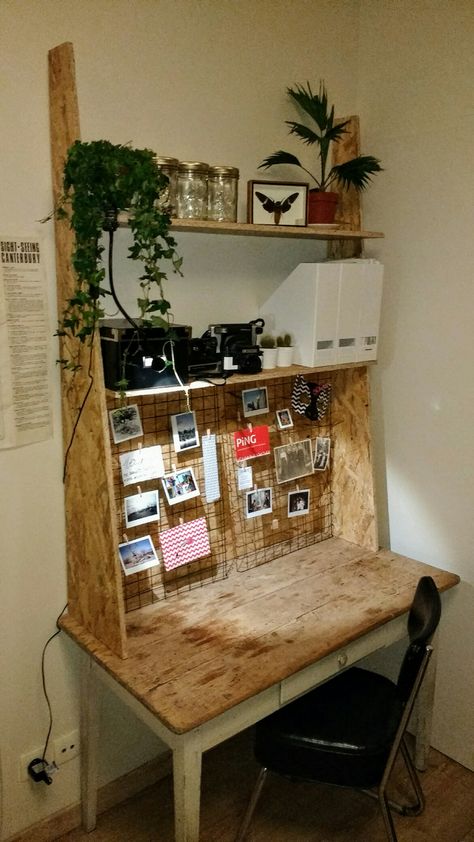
x: 419, y: 806
x: 387, y: 817
x: 244, y: 826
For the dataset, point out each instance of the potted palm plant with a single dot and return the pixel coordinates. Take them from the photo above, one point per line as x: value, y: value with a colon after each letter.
x: 321, y: 132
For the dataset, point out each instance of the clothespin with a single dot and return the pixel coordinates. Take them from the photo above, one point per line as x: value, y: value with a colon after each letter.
x: 139, y: 490
x: 250, y: 427
x: 125, y: 538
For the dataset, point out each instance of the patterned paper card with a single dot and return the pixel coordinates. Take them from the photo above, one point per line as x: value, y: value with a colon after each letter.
x: 185, y: 543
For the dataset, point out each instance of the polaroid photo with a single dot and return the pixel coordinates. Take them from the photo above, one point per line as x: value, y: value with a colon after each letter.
x: 180, y: 486
x: 125, y: 422
x: 293, y: 460
x: 141, y: 508
x: 321, y: 457
x: 141, y: 465
x: 258, y: 502
x: 298, y: 502
x: 137, y: 555
x: 284, y: 419
x: 255, y: 401
x: 184, y: 429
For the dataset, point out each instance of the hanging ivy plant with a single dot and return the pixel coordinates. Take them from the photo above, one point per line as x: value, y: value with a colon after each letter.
x: 101, y: 180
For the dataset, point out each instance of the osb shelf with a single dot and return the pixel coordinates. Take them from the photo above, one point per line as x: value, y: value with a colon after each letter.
x: 206, y: 226
x: 267, y: 374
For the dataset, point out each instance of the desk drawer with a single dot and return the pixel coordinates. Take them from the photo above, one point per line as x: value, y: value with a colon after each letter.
x: 330, y: 666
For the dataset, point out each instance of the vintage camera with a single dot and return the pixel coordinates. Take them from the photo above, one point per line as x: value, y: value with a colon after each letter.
x: 226, y: 348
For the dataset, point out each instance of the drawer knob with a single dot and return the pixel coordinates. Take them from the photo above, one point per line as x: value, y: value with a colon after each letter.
x: 342, y: 659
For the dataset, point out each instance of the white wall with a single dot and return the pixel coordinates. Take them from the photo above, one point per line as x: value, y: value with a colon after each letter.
x: 197, y: 79
x: 416, y: 95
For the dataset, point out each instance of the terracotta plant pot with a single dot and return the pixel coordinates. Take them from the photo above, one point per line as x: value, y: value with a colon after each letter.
x: 322, y: 207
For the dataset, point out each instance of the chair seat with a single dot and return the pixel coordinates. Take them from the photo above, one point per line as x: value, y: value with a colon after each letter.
x: 340, y: 733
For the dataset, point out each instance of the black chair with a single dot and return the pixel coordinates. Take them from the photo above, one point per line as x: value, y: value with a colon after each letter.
x: 348, y: 731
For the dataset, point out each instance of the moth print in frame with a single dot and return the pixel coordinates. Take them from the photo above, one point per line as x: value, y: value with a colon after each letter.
x: 277, y: 203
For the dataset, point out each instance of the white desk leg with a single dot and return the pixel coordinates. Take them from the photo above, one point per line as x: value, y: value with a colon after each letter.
x: 89, y: 744
x: 424, y: 712
x: 187, y: 759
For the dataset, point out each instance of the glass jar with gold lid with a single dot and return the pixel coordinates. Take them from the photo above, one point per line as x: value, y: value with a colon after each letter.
x: 168, y: 197
x: 222, y: 192
x: 192, y: 190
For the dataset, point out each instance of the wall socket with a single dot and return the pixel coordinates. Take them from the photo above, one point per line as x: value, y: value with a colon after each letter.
x: 66, y: 747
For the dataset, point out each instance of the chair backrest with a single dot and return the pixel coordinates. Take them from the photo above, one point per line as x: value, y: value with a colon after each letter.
x: 423, y: 620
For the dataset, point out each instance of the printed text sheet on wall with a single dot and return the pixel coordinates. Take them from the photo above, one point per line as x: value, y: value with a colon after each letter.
x: 25, y: 403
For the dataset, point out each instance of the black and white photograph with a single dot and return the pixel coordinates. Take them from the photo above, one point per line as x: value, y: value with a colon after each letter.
x: 258, y: 502
x: 255, y: 401
x: 322, y: 450
x: 284, y: 419
x: 126, y: 423
x: 141, y: 508
x: 180, y: 486
x: 184, y: 429
x: 298, y: 503
x: 293, y: 460
x: 137, y: 555
x: 277, y: 202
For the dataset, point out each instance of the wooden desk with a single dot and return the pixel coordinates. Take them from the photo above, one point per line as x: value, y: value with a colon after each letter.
x: 206, y: 665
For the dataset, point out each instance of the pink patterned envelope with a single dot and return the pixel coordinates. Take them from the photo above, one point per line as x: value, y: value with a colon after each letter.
x: 185, y: 543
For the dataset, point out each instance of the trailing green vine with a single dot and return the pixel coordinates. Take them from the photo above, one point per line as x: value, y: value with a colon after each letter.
x: 101, y: 180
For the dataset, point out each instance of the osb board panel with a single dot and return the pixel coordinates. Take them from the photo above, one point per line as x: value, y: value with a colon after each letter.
x: 354, y: 513
x: 259, y: 539
x: 211, y: 649
x: 348, y: 209
x: 155, y: 413
x: 94, y: 590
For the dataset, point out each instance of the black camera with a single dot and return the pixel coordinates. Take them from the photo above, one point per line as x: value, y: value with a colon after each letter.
x: 226, y: 348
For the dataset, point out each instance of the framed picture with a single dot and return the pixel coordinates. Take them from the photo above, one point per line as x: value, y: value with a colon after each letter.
x: 125, y: 422
x: 293, y: 460
x: 277, y: 202
x: 258, y: 502
x: 255, y: 401
x: 184, y: 429
x: 141, y: 508
x: 298, y: 503
x: 321, y: 456
x: 180, y: 486
x: 137, y: 555
x: 284, y: 419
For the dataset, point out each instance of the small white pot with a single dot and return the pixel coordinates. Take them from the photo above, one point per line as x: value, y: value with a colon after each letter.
x: 284, y: 357
x: 269, y: 359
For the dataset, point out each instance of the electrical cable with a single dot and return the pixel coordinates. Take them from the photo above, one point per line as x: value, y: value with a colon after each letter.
x: 43, y: 679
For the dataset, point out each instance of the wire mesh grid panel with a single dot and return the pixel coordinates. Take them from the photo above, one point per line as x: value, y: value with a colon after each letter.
x: 288, y: 504
x: 169, y: 531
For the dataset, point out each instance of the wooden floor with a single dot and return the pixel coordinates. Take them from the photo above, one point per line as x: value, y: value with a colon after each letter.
x: 290, y: 812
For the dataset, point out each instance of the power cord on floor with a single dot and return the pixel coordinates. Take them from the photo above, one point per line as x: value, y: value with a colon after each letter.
x: 39, y: 768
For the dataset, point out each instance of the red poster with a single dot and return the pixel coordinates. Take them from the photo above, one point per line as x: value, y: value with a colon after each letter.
x: 250, y: 443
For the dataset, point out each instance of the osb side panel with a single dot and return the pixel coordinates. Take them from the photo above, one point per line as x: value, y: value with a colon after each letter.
x: 348, y: 210
x: 94, y: 587
x: 354, y: 514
